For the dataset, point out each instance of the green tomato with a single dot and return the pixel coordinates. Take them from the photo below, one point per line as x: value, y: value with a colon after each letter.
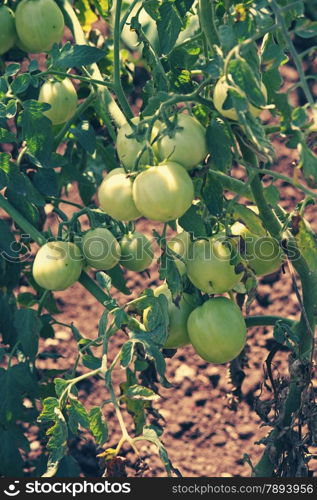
x: 39, y: 24
x: 217, y: 330
x: 7, y: 31
x: 187, y: 145
x: 178, y: 316
x: 208, y: 266
x: 57, y: 265
x: 180, y: 244
x: 128, y: 149
x: 62, y: 97
x: 163, y: 193
x: 263, y: 253
x: 136, y: 251
x: 115, y: 196
x: 220, y: 95
x: 100, y: 249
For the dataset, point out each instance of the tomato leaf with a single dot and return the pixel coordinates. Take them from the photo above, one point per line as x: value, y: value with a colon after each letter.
x: 219, y: 146
x: 212, y: 194
x: 28, y: 326
x: 192, y: 222
x: 98, y: 425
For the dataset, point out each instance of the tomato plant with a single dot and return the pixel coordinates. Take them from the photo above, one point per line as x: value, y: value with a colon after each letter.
x: 141, y: 122
x: 8, y: 32
x: 57, y: 265
x: 62, y: 97
x: 39, y: 24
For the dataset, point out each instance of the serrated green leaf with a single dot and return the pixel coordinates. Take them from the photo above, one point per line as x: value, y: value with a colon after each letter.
x: 212, y: 194
x: 28, y: 326
x: 141, y: 392
x: 98, y: 425
x: 192, y: 222
x: 48, y: 411
x: 219, y: 146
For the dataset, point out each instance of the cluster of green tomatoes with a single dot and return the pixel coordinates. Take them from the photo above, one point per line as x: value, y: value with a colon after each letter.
x: 163, y: 193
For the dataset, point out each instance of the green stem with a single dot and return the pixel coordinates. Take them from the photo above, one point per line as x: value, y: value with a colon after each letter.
x: 233, y: 185
x: 207, y: 23
x: 108, y: 104
x: 296, y: 58
x: 27, y: 227
x: 289, y: 180
x: 74, y: 76
x: 266, y: 321
x: 127, y: 13
x: 117, y: 63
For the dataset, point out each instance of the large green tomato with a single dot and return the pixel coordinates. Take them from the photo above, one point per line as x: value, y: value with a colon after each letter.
x: 262, y: 252
x: 180, y: 244
x: 7, y: 29
x: 100, y: 249
x: 39, y: 24
x: 163, y: 193
x: 136, y: 252
x: 128, y: 149
x: 217, y: 330
x: 57, y: 265
x: 178, y: 316
x: 115, y: 196
x: 187, y: 145
x: 208, y: 266
x: 220, y: 95
x: 62, y: 97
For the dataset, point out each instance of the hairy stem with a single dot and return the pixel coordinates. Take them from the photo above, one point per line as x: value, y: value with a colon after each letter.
x: 207, y: 23
x: 108, y: 104
x: 116, y: 70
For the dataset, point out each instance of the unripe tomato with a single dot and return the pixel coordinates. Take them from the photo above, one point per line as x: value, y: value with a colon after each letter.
x: 136, y: 251
x: 7, y: 29
x: 187, y: 146
x: 208, y: 266
x: 62, y: 97
x: 178, y: 316
x: 128, y: 149
x: 261, y: 251
x: 39, y: 24
x: 100, y: 249
x: 217, y: 330
x: 180, y: 245
x: 220, y: 95
x: 57, y: 265
x: 115, y: 196
x: 164, y: 192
